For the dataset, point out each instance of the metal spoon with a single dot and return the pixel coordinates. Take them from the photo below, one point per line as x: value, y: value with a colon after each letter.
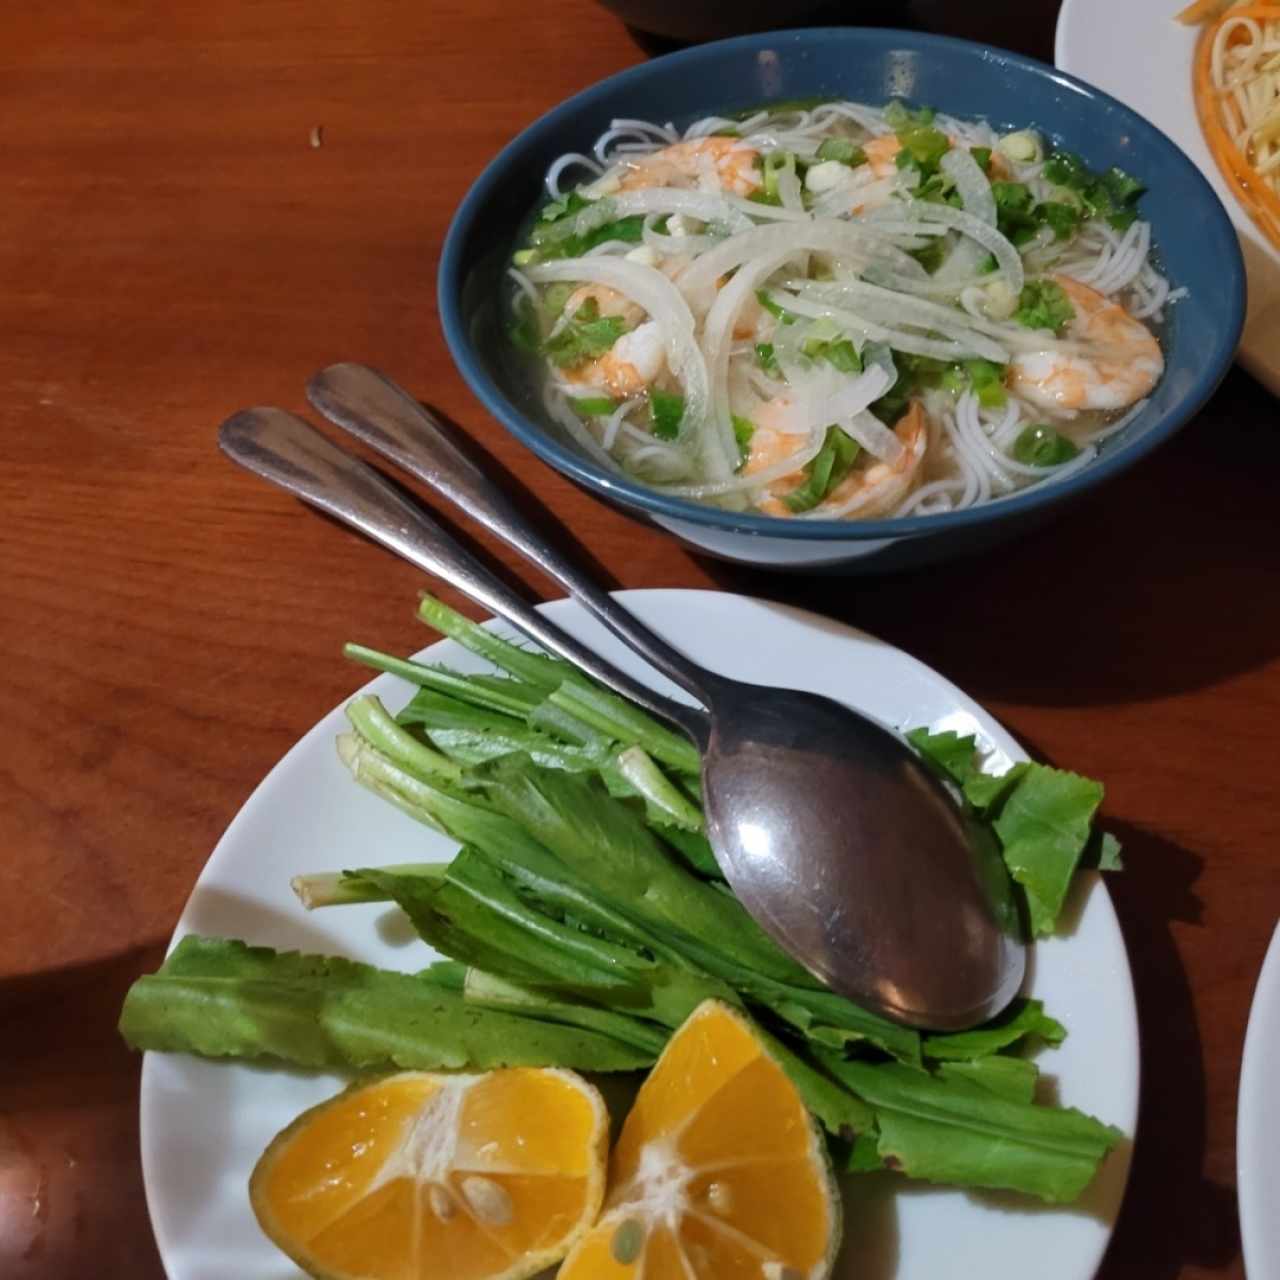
x: 830, y: 830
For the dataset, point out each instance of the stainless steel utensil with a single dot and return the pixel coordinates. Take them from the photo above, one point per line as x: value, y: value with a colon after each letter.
x: 829, y: 828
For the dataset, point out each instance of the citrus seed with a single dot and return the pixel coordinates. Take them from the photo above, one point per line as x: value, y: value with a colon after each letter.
x: 442, y: 1202
x: 489, y: 1202
x: 627, y: 1242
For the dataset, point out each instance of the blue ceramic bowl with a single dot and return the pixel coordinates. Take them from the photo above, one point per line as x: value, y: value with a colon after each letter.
x: 1196, y: 244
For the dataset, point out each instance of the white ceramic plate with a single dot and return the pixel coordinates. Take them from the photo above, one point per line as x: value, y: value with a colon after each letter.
x: 204, y: 1124
x: 1135, y: 51
x: 1258, y: 1125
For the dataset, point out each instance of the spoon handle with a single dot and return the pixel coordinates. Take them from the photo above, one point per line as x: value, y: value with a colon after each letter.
x: 291, y: 453
x: 368, y: 405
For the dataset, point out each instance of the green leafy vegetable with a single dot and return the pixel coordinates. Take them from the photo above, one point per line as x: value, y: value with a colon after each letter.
x: 594, y: 406
x: 1112, y: 195
x: 563, y: 207
x: 524, y: 330
x: 775, y: 309
x: 586, y: 336
x: 1023, y: 1019
x: 743, y: 430
x: 837, y: 352
x: 981, y: 157
x: 845, y: 150
x: 1043, y: 304
x: 932, y: 255
x: 915, y: 374
x: 767, y: 360
x: 945, y: 1130
x: 1044, y: 827
x: 984, y: 377
x: 1006, y: 1077
x: 667, y: 410
x: 1039, y: 445
x: 220, y: 998
x: 834, y: 461
x: 922, y: 145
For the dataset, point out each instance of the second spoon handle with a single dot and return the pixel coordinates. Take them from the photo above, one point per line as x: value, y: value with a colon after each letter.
x: 291, y: 453
x: 374, y: 409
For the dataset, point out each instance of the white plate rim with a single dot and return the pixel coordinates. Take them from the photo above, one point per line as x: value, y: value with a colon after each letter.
x: 1161, y: 93
x: 1258, y: 1123
x: 567, y: 613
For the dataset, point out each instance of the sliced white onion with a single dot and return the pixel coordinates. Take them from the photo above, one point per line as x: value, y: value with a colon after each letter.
x: 971, y: 184
x: 1008, y: 259
x: 857, y: 243
x: 704, y: 205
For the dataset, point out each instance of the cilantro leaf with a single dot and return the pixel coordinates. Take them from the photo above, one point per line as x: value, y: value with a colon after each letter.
x: 837, y: 352
x: 586, y: 336
x: 768, y: 361
x: 775, y: 309
x: 1039, y: 445
x: 1112, y: 195
x: 1043, y: 304
x: 845, y: 150
x: 834, y: 460
x: 667, y: 410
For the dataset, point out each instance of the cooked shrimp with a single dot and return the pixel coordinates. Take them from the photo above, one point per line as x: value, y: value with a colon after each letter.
x: 866, y: 491
x: 630, y: 366
x: 701, y: 163
x: 1126, y: 364
x: 882, y: 154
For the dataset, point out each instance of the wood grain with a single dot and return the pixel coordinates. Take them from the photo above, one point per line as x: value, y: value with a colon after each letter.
x: 172, y: 247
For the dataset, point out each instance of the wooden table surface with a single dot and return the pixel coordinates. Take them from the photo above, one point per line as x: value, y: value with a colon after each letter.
x: 173, y: 247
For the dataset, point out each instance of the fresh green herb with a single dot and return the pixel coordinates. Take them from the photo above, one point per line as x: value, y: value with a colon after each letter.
x: 551, y: 246
x: 524, y: 330
x: 948, y: 1131
x: 667, y: 410
x: 223, y: 999
x: 775, y: 309
x: 932, y: 255
x: 594, y: 406
x: 983, y: 377
x: 1022, y: 1020
x: 1015, y: 215
x: 554, y: 298
x: 774, y: 165
x: 563, y: 207
x: 1112, y: 195
x: 586, y: 336
x: 900, y: 117
x: 1042, y: 816
x: 845, y: 150
x: 838, y: 352
x: 767, y: 360
x: 1039, y: 445
x: 915, y: 374
x: 743, y: 430
x: 834, y: 461
x: 1043, y: 304
x: 981, y: 157
x: 1062, y: 219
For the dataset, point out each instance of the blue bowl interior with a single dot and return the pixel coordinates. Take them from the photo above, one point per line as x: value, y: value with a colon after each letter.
x: 1197, y: 246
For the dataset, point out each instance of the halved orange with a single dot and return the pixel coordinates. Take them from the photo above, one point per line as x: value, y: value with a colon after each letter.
x: 421, y: 1176
x: 720, y: 1172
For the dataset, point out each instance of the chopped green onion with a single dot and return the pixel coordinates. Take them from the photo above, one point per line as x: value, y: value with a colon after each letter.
x: 845, y: 150
x: 594, y: 406
x: 667, y: 410
x: 1043, y: 304
x: 1041, y: 446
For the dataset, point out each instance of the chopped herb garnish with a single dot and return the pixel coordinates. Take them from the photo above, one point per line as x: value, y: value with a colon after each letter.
x: 838, y: 352
x: 915, y: 373
x: 586, y: 336
x: 743, y: 430
x: 981, y: 157
x: 768, y: 361
x: 776, y: 310
x: 667, y: 409
x: 832, y: 464
x: 594, y: 406
x: 524, y: 329
x: 932, y: 256
x: 1041, y: 446
x: 554, y: 210
x: 845, y: 150
x: 1112, y: 195
x: 1043, y: 304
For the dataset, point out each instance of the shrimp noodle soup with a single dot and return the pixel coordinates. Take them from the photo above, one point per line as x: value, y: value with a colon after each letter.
x: 838, y: 310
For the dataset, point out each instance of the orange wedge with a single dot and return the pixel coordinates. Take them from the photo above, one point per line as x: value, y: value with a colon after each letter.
x: 437, y: 1177
x: 720, y: 1172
